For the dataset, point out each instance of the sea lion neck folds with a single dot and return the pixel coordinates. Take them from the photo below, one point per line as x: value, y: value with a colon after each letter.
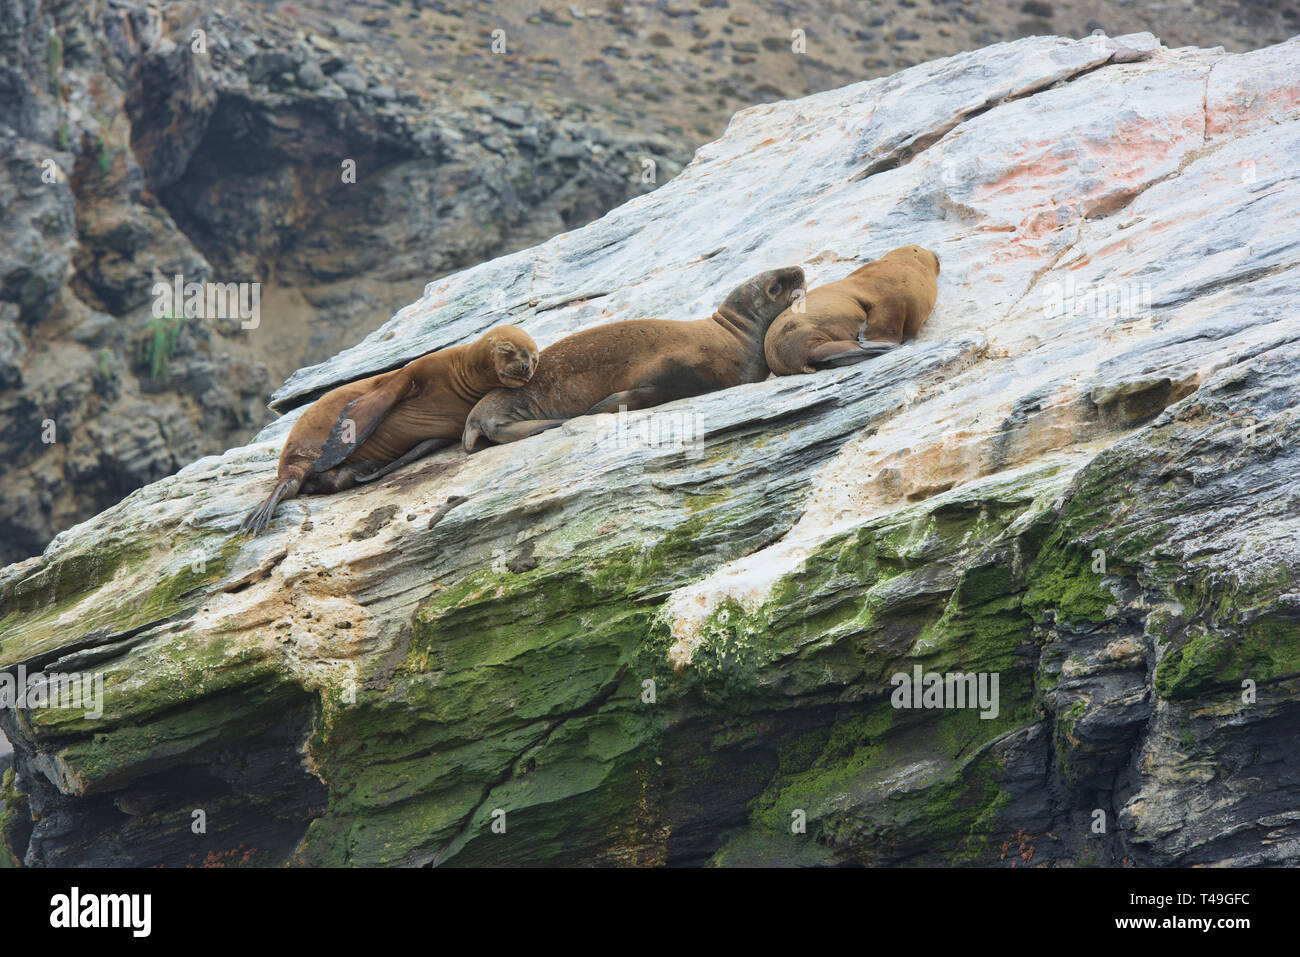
x: 742, y: 315
x: 638, y: 363
x: 363, y: 430
x: 873, y: 309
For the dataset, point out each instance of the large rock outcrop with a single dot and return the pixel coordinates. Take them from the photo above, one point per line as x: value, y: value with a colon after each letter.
x: 1083, y: 478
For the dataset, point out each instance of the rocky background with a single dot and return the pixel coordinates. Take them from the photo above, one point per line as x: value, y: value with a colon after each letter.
x: 226, y: 164
x: 1083, y: 478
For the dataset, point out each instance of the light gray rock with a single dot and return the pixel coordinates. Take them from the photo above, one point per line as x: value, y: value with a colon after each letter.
x: 310, y: 75
x: 510, y: 115
x: 350, y: 80
x: 566, y: 149
x: 348, y: 31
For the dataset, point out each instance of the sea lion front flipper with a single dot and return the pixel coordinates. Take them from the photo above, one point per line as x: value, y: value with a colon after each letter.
x: 502, y: 432
x: 469, y: 438
x: 365, y: 412
x: 421, y: 450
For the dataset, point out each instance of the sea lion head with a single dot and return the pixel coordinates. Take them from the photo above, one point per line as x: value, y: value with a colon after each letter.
x: 922, y: 257
x: 767, y: 295
x: 514, y: 355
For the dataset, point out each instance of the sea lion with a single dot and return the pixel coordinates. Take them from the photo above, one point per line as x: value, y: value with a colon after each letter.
x: 363, y: 430
x: 639, y: 363
x: 870, y: 311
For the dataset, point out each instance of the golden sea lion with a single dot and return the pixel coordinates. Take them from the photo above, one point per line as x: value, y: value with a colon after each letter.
x: 363, y: 430
x: 639, y: 363
x: 873, y: 309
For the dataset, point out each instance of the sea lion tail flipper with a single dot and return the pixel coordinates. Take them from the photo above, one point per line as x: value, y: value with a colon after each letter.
x: 421, y: 450
x: 358, y: 420
x: 256, y: 521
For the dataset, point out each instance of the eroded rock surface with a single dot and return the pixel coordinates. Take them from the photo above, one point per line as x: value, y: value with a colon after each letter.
x: 1083, y: 478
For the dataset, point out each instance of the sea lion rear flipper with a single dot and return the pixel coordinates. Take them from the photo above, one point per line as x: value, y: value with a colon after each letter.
x: 877, y: 346
x: 514, y: 431
x: 364, y: 413
x: 844, y: 353
x: 256, y: 521
x: 421, y: 450
x: 631, y: 399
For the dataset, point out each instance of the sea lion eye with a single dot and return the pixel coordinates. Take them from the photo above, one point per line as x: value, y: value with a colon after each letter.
x: 774, y: 290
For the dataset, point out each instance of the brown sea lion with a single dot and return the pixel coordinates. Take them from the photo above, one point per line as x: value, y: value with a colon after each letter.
x: 363, y: 430
x: 868, y: 312
x: 639, y: 363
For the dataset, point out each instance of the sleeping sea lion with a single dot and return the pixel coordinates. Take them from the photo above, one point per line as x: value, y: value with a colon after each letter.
x: 363, y: 430
x: 639, y: 363
x: 873, y: 309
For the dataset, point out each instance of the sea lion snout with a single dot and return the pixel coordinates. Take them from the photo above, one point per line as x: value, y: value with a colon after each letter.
x: 781, y: 284
x: 517, y: 369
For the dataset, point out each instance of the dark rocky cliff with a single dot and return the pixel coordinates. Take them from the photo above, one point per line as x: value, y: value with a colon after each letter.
x: 225, y: 164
